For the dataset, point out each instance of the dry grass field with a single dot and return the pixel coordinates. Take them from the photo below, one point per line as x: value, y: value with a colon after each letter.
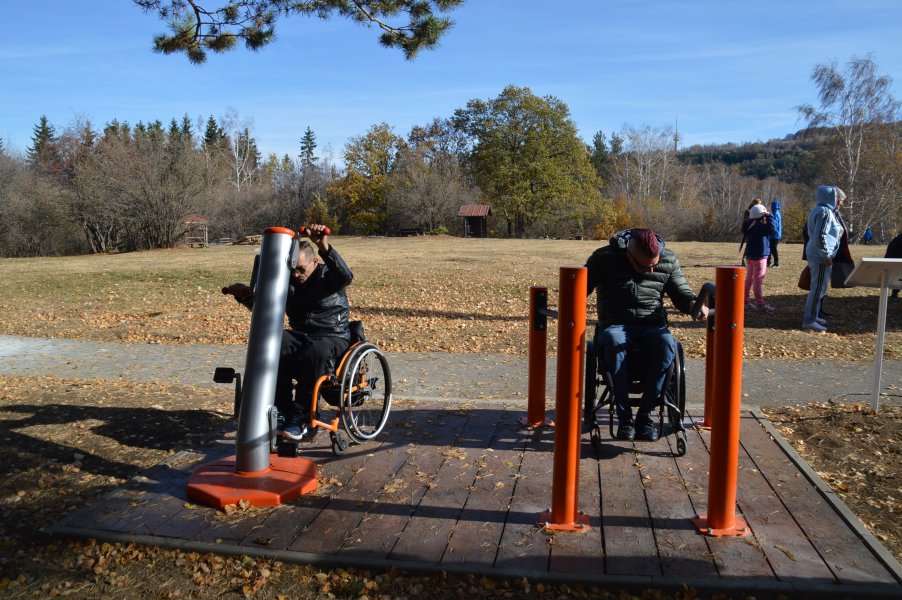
x: 65, y: 441
x: 414, y: 294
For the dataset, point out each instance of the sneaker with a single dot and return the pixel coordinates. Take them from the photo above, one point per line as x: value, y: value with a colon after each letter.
x: 646, y: 430
x: 821, y: 320
x: 750, y: 306
x: 765, y: 307
x: 814, y: 326
x: 626, y: 432
x: 292, y: 427
x: 775, y: 267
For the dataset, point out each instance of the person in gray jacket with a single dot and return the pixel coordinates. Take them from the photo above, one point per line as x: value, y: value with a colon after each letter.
x: 630, y: 277
x: 319, y: 330
x: 825, y: 230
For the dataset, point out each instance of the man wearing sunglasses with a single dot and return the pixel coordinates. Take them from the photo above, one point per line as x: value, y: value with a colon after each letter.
x: 630, y: 276
x: 318, y: 320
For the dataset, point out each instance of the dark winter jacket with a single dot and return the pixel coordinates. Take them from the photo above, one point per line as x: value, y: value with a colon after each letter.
x: 757, y: 238
x: 894, y: 248
x: 319, y: 306
x: 628, y: 297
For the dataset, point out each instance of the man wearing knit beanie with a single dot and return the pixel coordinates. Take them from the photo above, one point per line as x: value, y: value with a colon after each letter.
x: 630, y: 276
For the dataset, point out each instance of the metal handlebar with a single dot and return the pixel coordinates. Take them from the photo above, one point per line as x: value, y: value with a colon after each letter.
x: 303, y: 230
x: 705, y: 297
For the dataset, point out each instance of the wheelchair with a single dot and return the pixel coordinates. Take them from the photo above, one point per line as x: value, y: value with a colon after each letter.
x: 599, y: 393
x: 359, y: 387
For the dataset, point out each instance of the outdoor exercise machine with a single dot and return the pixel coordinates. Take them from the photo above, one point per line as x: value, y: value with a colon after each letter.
x: 726, y: 400
x: 265, y: 471
x: 725, y: 346
x: 571, y: 344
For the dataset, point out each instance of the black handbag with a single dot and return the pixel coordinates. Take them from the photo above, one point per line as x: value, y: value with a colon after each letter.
x: 841, y: 271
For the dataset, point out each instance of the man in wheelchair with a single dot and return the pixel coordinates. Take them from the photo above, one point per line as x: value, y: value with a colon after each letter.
x: 318, y: 314
x: 631, y: 276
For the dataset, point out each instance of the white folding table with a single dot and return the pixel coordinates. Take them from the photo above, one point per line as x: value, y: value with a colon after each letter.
x: 885, y: 273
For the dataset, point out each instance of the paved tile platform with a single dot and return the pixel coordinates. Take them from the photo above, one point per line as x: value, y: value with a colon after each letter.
x: 460, y: 487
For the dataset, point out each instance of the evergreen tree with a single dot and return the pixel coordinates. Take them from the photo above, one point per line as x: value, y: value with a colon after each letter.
x: 213, y: 134
x: 43, y: 140
x: 175, y: 134
x: 197, y: 29
x: 308, y: 147
x: 186, y: 131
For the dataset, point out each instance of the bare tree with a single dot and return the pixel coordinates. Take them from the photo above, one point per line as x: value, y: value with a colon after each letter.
x: 428, y: 184
x: 853, y: 103
x: 652, y: 156
x: 240, y: 150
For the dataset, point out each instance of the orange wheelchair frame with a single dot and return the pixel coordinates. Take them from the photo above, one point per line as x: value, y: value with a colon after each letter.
x: 362, y: 401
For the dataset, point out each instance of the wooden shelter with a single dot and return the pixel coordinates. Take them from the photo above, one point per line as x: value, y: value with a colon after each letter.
x: 475, y: 219
x: 196, y: 231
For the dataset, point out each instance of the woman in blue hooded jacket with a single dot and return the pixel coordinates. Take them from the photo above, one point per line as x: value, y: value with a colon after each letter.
x: 776, y: 217
x: 825, y: 231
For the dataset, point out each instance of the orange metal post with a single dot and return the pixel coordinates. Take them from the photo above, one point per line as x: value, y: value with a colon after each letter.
x: 538, y: 349
x: 721, y: 519
x: 571, y: 359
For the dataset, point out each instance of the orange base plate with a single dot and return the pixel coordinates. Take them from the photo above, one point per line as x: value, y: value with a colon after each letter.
x: 580, y: 524
x: 527, y: 423
x: 217, y: 484
x: 739, y: 527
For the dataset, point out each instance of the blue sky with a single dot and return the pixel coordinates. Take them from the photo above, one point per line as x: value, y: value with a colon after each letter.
x: 729, y: 71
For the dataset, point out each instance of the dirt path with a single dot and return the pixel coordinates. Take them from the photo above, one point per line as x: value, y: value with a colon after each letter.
x: 434, y: 375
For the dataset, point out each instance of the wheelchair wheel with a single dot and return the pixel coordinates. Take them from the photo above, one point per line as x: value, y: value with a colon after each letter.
x: 676, y: 401
x: 366, y: 393
x: 590, y: 386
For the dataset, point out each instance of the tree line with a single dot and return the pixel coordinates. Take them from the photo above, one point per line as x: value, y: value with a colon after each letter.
x: 131, y: 187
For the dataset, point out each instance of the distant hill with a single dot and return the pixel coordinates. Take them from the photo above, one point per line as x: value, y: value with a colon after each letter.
x: 791, y: 159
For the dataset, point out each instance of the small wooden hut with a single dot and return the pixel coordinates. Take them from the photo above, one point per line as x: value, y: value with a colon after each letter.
x: 196, y: 231
x: 475, y: 219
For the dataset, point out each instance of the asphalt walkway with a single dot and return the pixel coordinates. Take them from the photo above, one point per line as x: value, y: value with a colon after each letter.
x: 435, y: 375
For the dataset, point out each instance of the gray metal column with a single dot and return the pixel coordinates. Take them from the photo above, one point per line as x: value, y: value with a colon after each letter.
x: 264, y: 342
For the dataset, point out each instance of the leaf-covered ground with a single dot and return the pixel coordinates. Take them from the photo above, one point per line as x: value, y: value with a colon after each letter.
x: 62, y: 442
x: 414, y: 294
x: 858, y: 454
x: 66, y: 441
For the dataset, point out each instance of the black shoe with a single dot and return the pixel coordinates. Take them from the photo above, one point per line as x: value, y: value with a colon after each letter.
x: 298, y: 428
x: 647, y: 432
x: 292, y: 427
x: 626, y: 432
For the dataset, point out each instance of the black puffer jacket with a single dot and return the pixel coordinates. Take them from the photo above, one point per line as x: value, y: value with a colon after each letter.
x: 627, y: 297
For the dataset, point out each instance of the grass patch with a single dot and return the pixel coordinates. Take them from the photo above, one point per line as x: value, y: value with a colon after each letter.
x: 430, y: 293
